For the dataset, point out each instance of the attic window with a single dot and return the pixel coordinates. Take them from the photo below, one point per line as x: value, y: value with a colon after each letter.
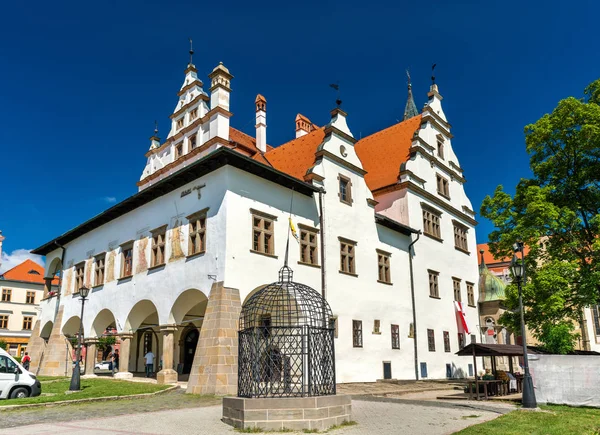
x: 180, y: 123
x: 33, y: 272
x: 440, y: 149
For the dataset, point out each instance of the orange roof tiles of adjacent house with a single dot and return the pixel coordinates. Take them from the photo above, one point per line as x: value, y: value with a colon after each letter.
x: 382, y: 153
x: 27, y: 271
x: 489, y: 258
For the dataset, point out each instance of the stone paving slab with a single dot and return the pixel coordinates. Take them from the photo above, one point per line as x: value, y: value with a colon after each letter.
x: 375, y: 417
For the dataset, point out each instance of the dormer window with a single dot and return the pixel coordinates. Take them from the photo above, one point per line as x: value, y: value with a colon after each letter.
x: 178, y: 150
x: 443, y: 186
x: 179, y: 124
x: 440, y: 149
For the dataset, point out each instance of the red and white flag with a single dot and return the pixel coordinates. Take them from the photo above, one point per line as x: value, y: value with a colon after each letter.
x: 460, y: 309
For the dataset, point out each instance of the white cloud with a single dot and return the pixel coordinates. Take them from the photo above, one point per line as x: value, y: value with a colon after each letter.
x: 18, y: 256
x: 109, y: 199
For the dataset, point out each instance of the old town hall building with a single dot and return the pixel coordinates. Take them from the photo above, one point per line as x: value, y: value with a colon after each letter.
x: 385, y: 232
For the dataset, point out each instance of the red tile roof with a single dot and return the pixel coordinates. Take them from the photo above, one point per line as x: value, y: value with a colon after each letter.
x: 245, y: 140
x: 298, y: 155
x: 489, y: 258
x: 28, y: 271
x: 382, y: 153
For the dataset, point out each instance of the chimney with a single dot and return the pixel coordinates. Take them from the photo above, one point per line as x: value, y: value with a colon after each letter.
x: 219, y: 101
x: 261, y: 123
x: 303, y: 125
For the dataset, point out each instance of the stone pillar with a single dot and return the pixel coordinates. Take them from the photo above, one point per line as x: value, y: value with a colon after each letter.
x: 214, y: 370
x: 56, y: 359
x: 167, y: 375
x: 124, y: 357
x: 90, y: 355
x: 35, y: 347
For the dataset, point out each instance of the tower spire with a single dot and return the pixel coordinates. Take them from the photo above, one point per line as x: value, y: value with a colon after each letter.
x: 410, y: 109
x: 191, y: 52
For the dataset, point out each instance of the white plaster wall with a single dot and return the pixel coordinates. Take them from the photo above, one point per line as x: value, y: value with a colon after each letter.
x: 160, y: 286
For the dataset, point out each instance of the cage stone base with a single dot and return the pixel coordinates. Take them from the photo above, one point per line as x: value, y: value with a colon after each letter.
x: 296, y: 413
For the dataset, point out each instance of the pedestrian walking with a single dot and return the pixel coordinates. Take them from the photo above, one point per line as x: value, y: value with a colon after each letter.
x: 149, y: 363
x: 26, y: 361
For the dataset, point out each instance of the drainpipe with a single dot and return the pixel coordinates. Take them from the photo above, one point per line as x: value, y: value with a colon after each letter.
x: 323, y: 262
x: 414, y: 307
x: 58, y: 293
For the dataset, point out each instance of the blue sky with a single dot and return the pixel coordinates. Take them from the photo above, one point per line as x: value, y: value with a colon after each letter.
x: 81, y: 84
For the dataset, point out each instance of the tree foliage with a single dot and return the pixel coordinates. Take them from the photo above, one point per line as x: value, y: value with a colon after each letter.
x: 558, y: 338
x: 3, y: 345
x: 557, y: 215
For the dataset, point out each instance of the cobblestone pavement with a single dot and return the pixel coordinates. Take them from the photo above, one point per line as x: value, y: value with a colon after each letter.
x: 389, y: 388
x: 375, y: 416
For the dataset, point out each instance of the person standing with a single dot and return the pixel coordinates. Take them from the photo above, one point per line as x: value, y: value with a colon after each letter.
x: 149, y: 363
x: 26, y: 361
x: 116, y: 360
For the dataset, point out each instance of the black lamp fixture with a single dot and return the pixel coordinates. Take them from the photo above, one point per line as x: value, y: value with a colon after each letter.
x: 76, y: 376
x: 516, y: 267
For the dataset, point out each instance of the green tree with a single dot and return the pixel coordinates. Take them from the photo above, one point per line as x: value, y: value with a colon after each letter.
x: 557, y: 215
x: 3, y: 344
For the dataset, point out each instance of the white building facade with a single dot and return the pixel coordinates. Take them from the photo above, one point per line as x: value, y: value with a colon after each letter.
x: 385, y: 233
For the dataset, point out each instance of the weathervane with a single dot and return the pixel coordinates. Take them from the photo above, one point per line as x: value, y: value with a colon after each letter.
x: 336, y: 86
x: 432, y: 74
x: 191, y: 52
x: 408, y: 75
x: 155, y: 128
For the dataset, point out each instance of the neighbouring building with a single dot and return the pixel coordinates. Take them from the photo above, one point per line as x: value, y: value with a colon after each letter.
x: 493, y: 279
x: 385, y: 232
x: 21, y: 290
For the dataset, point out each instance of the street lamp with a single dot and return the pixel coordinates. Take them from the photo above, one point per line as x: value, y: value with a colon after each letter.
x: 76, y: 376
x: 517, y: 267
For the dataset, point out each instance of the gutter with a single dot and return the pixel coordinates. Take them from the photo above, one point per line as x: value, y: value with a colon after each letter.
x: 323, y: 262
x: 414, y: 307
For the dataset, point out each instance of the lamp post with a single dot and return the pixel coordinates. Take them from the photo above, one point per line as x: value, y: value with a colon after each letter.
x: 517, y: 268
x: 76, y: 376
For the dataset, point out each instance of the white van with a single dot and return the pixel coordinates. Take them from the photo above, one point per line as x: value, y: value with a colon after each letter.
x: 15, y: 381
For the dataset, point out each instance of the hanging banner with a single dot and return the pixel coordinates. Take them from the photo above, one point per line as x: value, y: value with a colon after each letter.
x: 462, y: 315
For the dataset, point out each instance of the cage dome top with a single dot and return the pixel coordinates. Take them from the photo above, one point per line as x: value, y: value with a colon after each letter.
x: 285, y: 303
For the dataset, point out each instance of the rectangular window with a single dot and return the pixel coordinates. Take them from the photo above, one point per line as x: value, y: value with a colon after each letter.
x: 460, y: 237
x: 395, y: 337
x: 434, y: 289
x: 383, y: 263
x: 3, y: 321
x: 334, y: 324
x: 431, y: 223
x: 79, y: 273
x: 6, y: 294
x: 473, y: 338
x: 309, y: 250
x: 30, y: 298
x: 376, y: 327
x: 179, y: 123
x: 192, y: 142
x: 27, y: 323
x: 461, y: 340
x: 193, y: 114
x: 596, y: 316
x: 127, y: 261
x: 347, y: 249
x: 431, y: 340
x: 471, y: 294
x: 197, y: 237
x: 178, y: 150
x: 345, y: 192
x: 99, y: 270
x: 456, y: 287
x: 440, y: 149
x: 357, y: 338
x: 158, y: 246
x: 446, y: 341
x: 443, y: 186
x: 262, y: 235
x: 423, y: 370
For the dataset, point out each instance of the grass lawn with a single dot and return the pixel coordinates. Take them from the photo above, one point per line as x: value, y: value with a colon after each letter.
x: 89, y: 388
x: 555, y: 420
